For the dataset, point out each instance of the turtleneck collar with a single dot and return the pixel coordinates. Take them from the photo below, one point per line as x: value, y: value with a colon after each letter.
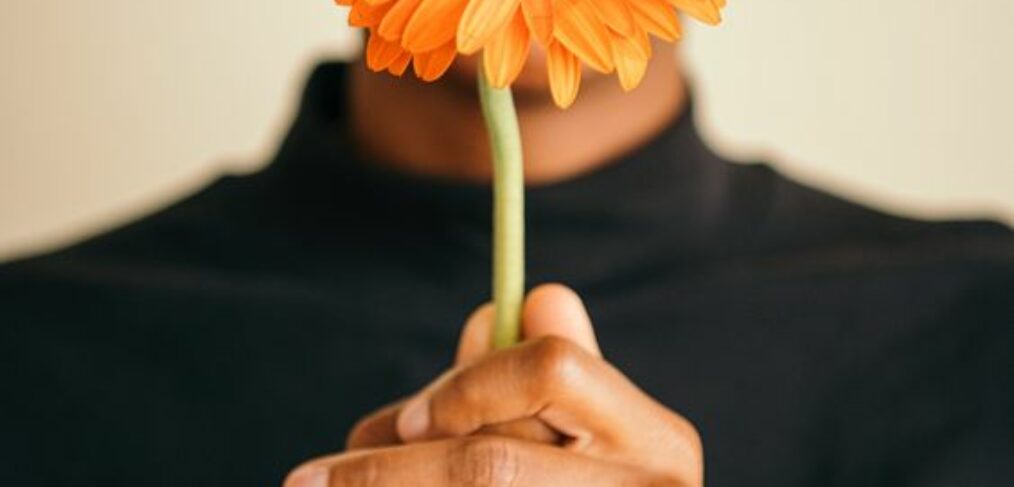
x: 663, y: 199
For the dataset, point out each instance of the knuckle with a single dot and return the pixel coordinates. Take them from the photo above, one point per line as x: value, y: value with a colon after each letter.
x: 484, y: 462
x: 464, y: 390
x: 453, y: 407
x: 556, y: 361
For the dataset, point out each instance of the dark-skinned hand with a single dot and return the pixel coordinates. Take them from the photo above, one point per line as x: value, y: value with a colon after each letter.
x: 547, y: 412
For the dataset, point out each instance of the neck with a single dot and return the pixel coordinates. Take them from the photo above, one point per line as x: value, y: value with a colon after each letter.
x: 436, y: 129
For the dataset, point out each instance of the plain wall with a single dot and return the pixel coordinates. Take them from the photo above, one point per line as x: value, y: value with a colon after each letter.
x: 112, y: 108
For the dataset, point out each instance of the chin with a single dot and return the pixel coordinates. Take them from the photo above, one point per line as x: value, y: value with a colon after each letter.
x: 532, y: 85
x: 533, y: 80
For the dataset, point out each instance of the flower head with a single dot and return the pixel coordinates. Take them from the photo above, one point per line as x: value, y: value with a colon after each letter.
x: 606, y: 35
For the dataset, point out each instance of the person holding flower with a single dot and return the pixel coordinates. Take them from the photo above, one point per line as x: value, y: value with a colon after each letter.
x: 717, y: 324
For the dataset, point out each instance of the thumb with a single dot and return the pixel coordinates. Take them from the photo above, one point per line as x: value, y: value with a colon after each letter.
x: 556, y: 310
x: 549, y: 310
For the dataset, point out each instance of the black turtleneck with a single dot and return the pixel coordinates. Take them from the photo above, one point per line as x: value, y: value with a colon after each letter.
x: 226, y: 338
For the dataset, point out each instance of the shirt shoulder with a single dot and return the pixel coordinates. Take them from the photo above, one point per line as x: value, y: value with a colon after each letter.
x: 200, y: 233
x: 779, y: 215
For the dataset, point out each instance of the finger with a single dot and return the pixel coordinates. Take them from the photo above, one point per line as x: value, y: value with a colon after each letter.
x: 477, y: 460
x: 377, y: 429
x: 380, y: 429
x: 556, y: 310
x: 573, y: 392
x: 476, y: 341
x: 476, y: 336
x: 550, y: 309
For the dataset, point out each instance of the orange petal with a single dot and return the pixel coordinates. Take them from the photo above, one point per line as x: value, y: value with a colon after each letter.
x: 630, y: 58
x: 564, y: 74
x: 704, y: 10
x: 642, y: 41
x: 365, y: 15
x: 504, y: 56
x: 380, y: 52
x: 399, y: 65
x: 539, y: 16
x: 579, y: 29
x: 429, y: 66
x: 481, y: 20
x: 343, y: 3
x: 432, y: 25
x: 393, y: 25
x: 375, y: 3
x: 615, y: 14
x: 657, y: 17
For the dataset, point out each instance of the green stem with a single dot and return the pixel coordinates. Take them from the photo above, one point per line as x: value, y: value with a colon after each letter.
x: 508, y: 210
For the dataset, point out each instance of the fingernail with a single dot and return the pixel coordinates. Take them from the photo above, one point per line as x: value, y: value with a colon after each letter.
x: 414, y: 420
x: 308, y: 477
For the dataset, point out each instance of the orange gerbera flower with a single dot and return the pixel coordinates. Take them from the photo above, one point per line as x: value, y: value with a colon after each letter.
x: 607, y: 35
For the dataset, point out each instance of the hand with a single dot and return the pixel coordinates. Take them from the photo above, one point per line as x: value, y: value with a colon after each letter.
x: 549, y: 412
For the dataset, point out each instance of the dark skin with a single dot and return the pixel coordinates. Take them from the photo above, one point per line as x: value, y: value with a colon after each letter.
x: 550, y: 411
x: 441, y: 134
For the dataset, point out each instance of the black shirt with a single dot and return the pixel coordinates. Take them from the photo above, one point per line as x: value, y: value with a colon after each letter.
x: 244, y: 329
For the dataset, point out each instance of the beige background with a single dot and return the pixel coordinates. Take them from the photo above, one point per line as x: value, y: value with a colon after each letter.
x: 110, y: 108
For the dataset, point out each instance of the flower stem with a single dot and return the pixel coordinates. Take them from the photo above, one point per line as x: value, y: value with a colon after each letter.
x: 508, y: 210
